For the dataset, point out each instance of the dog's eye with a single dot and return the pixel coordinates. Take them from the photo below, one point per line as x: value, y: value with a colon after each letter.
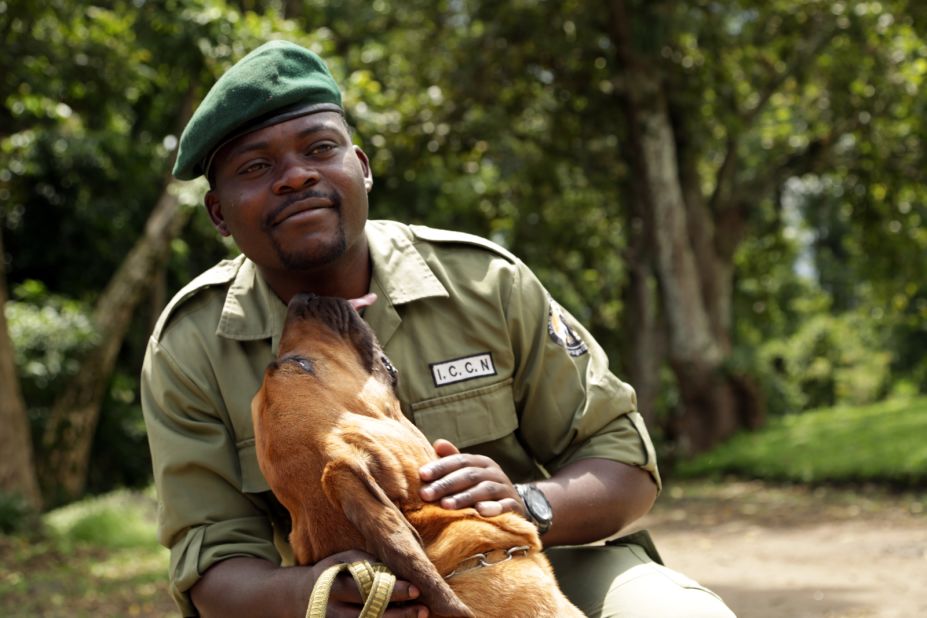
x: 303, y: 363
x: 393, y: 374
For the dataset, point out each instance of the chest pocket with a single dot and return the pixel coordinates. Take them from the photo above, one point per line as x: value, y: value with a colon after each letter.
x: 469, y: 417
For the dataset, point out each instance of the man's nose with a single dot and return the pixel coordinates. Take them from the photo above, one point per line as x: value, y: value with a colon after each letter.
x: 296, y: 174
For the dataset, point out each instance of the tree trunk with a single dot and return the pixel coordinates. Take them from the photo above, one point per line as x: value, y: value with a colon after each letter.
x: 17, y: 466
x: 713, y: 404
x: 68, y: 435
x: 645, y: 354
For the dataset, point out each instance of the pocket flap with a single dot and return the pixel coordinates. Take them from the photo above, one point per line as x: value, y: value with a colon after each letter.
x: 469, y: 417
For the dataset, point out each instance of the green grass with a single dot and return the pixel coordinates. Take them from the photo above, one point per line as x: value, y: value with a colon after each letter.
x: 99, y: 557
x: 96, y: 557
x: 883, y: 443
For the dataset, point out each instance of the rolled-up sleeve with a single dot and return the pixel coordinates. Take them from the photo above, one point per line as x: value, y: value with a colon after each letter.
x: 572, y: 406
x: 204, y: 516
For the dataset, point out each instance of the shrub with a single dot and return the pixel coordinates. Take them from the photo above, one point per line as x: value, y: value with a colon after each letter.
x: 830, y: 360
x: 16, y: 516
x: 49, y: 334
x: 117, y: 520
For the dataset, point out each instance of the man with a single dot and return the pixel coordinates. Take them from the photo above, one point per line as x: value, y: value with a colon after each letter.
x: 488, y: 363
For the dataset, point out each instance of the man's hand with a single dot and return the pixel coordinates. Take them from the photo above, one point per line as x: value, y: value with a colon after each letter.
x: 359, y: 304
x: 256, y: 587
x: 459, y: 481
x: 591, y: 498
x: 345, y: 601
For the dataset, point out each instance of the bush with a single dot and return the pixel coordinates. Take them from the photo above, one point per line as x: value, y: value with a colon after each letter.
x: 880, y: 442
x: 830, y: 360
x: 49, y: 334
x: 16, y: 516
x: 116, y: 520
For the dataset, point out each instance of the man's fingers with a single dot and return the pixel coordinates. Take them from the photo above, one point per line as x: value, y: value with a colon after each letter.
x: 342, y: 610
x: 344, y: 590
x: 404, y: 591
x: 491, y: 508
x: 445, y: 448
x: 345, y: 599
x: 364, y: 301
x: 443, y: 467
x: 408, y: 611
x: 454, y: 462
x: 464, y: 488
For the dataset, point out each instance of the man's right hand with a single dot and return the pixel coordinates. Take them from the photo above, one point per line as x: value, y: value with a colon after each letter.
x: 345, y: 601
x: 250, y: 587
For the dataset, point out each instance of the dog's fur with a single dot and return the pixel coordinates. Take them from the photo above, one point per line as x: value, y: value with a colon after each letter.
x: 341, y: 457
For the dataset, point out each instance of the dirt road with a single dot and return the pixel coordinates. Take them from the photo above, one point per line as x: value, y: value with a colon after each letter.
x: 782, y: 552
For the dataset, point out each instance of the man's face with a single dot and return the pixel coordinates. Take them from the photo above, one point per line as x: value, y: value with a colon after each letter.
x: 293, y: 195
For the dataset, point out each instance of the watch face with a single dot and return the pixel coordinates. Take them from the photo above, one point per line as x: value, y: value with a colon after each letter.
x: 538, y: 504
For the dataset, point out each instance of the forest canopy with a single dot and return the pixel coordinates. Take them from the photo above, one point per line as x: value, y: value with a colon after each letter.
x: 729, y: 194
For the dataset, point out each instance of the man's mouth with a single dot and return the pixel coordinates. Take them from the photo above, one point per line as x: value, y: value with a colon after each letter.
x: 303, y: 203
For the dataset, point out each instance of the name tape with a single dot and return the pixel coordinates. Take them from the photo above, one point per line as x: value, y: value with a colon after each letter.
x: 460, y: 369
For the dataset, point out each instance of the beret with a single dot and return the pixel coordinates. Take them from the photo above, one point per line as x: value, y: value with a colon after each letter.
x: 277, y: 81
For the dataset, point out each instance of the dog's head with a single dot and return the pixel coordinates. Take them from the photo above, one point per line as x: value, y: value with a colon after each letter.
x: 329, y: 354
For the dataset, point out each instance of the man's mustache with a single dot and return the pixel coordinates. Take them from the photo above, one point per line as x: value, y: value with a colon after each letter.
x: 272, y: 216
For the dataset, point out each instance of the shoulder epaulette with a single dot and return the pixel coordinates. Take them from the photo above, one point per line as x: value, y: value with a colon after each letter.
x: 220, y: 274
x: 446, y: 236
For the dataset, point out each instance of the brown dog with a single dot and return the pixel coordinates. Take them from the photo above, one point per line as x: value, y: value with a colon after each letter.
x: 341, y: 457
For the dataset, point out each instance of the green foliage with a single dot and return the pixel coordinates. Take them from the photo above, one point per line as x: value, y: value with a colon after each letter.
x: 879, y: 443
x: 506, y: 120
x: 16, y: 517
x: 89, y: 114
x: 830, y: 360
x: 120, y: 456
x: 49, y: 333
x: 120, y: 519
x: 96, y: 557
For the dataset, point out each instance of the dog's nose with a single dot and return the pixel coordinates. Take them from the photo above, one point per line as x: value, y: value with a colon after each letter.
x: 302, y: 299
x: 335, y: 313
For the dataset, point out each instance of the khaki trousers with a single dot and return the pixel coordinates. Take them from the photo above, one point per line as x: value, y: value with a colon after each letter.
x: 626, y: 578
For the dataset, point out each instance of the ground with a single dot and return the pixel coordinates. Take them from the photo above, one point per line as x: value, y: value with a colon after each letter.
x: 769, y: 551
x: 794, y: 552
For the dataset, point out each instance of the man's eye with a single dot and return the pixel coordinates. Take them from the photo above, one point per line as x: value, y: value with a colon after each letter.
x: 320, y: 149
x: 252, y: 167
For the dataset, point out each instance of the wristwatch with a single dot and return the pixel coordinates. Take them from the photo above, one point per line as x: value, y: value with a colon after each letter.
x: 536, y: 506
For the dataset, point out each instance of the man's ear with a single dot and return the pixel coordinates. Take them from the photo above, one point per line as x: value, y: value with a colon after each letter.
x: 365, y: 165
x: 214, y: 208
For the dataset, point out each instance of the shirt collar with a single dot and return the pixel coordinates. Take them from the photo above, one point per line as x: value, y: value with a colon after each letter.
x: 252, y: 311
x: 398, y: 268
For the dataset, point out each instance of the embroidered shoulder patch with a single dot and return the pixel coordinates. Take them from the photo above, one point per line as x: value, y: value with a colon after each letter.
x: 561, y: 332
x: 464, y: 368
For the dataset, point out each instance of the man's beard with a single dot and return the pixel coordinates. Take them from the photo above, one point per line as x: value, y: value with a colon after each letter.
x: 313, y: 255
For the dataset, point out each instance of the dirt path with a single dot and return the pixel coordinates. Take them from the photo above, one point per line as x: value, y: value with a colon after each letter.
x: 798, y: 553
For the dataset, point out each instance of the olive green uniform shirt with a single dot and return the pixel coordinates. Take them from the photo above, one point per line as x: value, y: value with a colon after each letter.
x: 486, y: 360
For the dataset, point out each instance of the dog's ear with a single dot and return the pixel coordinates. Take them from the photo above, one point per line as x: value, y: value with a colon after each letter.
x: 257, y: 406
x: 388, y: 534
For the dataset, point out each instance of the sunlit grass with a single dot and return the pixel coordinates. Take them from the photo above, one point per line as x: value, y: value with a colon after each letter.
x: 884, y: 442
x: 96, y: 557
x: 116, y: 520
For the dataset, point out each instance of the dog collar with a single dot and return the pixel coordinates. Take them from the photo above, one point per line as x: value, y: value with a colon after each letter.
x: 487, y: 559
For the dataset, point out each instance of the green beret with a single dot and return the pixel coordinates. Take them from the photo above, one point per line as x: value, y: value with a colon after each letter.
x: 275, y: 82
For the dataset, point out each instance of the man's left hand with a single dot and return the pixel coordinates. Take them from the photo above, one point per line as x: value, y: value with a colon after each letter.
x: 460, y: 480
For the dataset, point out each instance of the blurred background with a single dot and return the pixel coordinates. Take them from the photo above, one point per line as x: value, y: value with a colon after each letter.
x: 730, y: 194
